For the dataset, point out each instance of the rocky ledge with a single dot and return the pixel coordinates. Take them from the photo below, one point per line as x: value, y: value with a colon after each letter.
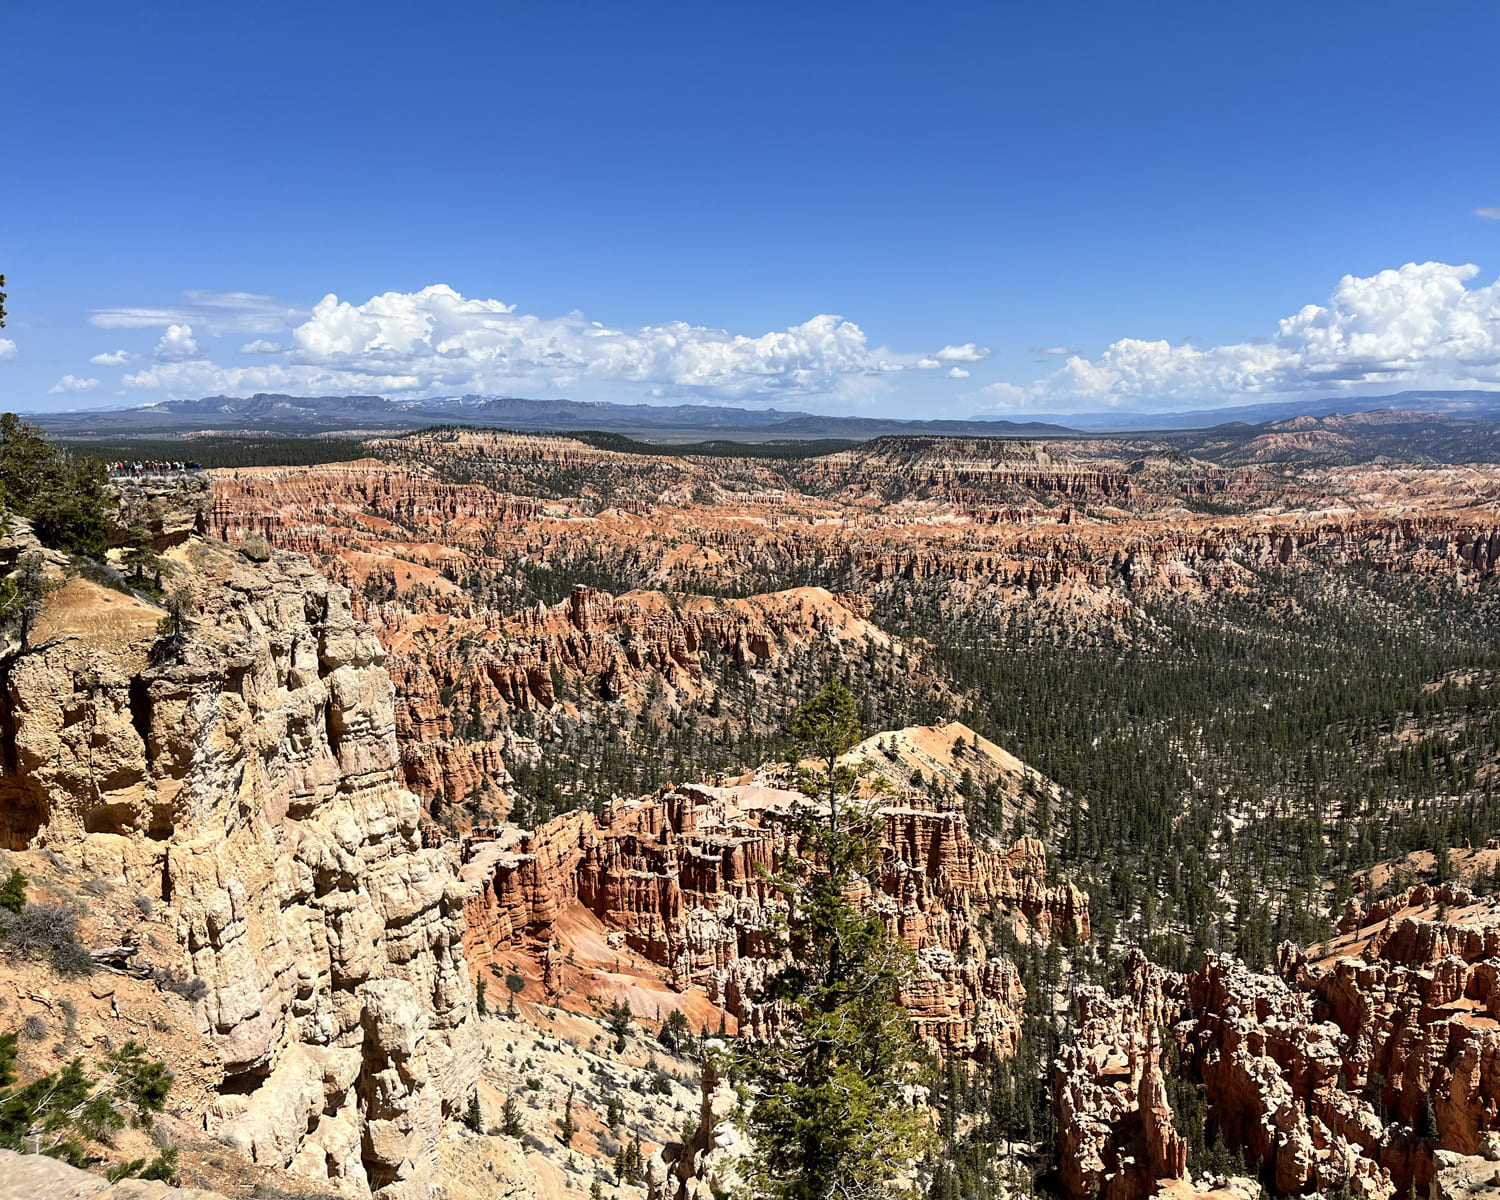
x: 169, y: 507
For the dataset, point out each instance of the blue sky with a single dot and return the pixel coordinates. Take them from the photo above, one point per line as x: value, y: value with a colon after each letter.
x: 1008, y: 208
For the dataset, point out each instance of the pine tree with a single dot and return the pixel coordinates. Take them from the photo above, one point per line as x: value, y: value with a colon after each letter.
x: 140, y: 557
x: 567, y: 1129
x: 479, y: 1003
x: 472, y: 1117
x: 831, y: 1115
x: 630, y: 1163
x: 13, y: 892
x: 510, y: 1119
x: 66, y: 500
x: 619, y: 1023
x: 1427, y: 1123
x: 9, y: 1052
x: 178, y: 623
x: 61, y: 1113
x: 21, y: 596
x: 675, y: 1031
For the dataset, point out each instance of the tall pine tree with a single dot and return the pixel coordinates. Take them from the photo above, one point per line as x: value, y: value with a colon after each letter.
x: 834, y: 1113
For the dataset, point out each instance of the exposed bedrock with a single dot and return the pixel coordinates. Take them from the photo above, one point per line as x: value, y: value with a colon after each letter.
x: 683, y: 875
x: 245, y: 774
x: 1358, y: 1068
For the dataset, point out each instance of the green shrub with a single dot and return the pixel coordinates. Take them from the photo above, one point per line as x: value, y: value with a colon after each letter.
x: 13, y: 892
x: 60, y: 1114
x: 66, y: 500
x: 21, y: 595
x: 9, y: 1052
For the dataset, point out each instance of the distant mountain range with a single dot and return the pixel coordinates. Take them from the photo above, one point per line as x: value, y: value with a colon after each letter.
x: 1477, y: 403
x: 265, y: 413
x: 291, y: 415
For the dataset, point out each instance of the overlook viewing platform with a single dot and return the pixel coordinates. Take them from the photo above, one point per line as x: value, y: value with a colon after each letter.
x: 135, y: 470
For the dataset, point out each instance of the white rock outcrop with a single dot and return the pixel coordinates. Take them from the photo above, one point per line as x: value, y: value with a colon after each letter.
x: 246, y: 775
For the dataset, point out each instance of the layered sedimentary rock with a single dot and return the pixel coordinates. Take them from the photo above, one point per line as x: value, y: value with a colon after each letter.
x: 592, y: 644
x: 980, y: 514
x: 418, y: 554
x: 167, y: 506
x: 481, y: 667
x: 616, y: 644
x: 967, y: 470
x: 289, y: 503
x: 1355, y: 1069
x: 1085, y: 531
x: 447, y: 540
x: 243, y: 771
x: 683, y: 875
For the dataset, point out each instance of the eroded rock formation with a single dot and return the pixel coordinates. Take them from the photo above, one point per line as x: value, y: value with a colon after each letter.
x: 1357, y: 1068
x: 682, y: 875
x: 244, y: 772
x: 168, y: 507
x: 448, y: 538
x: 709, y: 1164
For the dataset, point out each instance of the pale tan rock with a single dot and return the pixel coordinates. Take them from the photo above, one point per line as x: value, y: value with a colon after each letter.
x: 37, y: 1177
x: 247, y: 780
x: 1464, y: 1177
x: 711, y: 1163
x: 169, y: 506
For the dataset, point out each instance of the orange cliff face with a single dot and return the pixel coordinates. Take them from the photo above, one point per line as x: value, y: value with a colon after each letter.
x: 681, y: 878
x: 401, y: 542
x: 997, y: 523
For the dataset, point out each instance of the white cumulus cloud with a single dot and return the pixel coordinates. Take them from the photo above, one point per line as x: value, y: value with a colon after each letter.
x: 1417, y: 326
x: 262, y: 346
x: 967, y: 353
x: 71, y: 383
x: 7, y: 349
x: 117, y: 358
x: 957, y: 373
x: 177, y: 345
x: 438, y: 340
